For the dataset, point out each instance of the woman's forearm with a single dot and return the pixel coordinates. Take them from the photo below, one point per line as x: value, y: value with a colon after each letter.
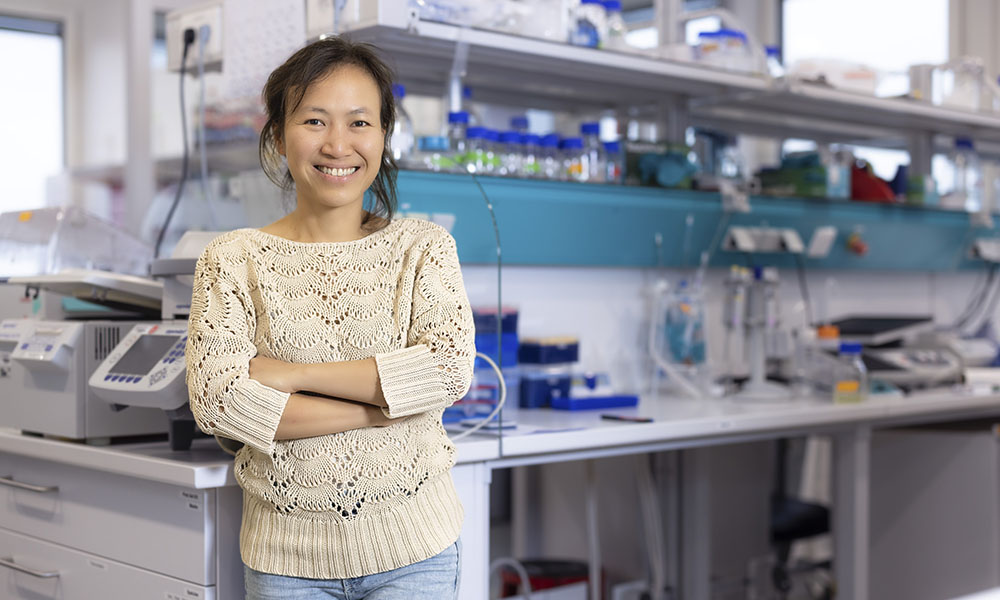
x: 309, y: 416
x: 352, y: 379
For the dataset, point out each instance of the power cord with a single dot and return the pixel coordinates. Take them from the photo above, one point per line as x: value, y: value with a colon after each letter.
x: 501, y: 400
x: 204, y: 32
x: 189, y: 37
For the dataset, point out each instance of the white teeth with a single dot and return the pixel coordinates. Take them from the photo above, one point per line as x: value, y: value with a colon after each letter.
x: 337, y: 172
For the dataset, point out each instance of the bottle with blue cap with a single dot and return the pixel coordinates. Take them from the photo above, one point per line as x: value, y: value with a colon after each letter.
x: 458, y: 124
x: 551, y: 162
x: 574, y: 159
x: 433, y: 153
x: 615, y: 164
x: 475, y: 153
x: 616, y: 29
x: 588, y: 24
x: 510, y: 154
x: 530, y: 165
x: 594, y: 159
x: 519, y: 124
x: 774, y: 66
x: 851, y: 384
x: 402, y: 140
x: 491, y: 145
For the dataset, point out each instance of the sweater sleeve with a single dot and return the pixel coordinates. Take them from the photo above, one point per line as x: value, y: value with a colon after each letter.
x: 435, y: 368
x: 224, y: 400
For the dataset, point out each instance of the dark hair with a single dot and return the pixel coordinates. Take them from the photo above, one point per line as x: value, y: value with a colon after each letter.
x: 286, y: 87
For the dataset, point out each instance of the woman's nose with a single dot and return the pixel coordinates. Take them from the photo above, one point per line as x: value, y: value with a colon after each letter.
x: 335, y: 142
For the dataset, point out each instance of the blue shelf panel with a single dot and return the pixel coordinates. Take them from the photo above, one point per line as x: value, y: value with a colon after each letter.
x: 573, y: 224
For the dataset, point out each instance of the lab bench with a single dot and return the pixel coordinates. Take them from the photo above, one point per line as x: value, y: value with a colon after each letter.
x: 93, y: 521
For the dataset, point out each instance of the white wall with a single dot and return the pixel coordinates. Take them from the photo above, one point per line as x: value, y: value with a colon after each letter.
x: 607, y: 308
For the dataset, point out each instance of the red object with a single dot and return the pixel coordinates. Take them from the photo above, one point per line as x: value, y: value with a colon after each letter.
x: 544, y: 575
x: 857, y: 245
x: 867, y: 187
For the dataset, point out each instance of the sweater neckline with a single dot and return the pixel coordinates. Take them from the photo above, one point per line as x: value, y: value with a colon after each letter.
x: 370, y: 237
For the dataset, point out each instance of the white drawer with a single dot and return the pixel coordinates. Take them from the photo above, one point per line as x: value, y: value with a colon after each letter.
x: 160, y: 527
x: 31, y: 569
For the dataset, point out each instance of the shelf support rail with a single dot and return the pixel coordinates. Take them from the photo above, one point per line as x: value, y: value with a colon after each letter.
x: 458, y: 69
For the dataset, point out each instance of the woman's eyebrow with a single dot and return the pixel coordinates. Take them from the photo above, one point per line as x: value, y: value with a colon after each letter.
x: 357, y: 111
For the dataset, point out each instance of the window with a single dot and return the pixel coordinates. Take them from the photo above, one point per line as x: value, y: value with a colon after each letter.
x: 32, y: 122
x: 855, y: 31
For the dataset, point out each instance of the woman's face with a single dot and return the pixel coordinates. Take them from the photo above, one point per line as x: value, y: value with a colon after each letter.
x: 334, y: 140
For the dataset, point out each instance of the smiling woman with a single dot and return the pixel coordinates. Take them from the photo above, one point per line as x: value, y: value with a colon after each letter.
x: 329, y: 344
x: 337, y: 98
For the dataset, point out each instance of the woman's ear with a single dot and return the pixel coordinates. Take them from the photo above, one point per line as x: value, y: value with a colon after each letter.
x: 279, y: 142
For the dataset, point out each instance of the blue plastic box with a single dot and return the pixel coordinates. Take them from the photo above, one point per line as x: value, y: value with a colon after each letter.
x: 549, y: 351
x: 595, y: 402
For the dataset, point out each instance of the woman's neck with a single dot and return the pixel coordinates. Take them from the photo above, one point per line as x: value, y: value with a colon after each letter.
x: 332, y: 225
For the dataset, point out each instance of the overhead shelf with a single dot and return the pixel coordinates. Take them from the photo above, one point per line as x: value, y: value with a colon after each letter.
x: 521, y: 71
x: 544, y: 73
x: 816, y: 111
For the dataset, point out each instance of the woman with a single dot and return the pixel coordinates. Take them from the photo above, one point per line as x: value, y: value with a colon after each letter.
x: 329, y: 343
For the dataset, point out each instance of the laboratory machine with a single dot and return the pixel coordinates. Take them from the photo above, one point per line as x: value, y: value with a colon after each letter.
x: 146, y: 368
x: 904, y: 350
x: 46, y: 363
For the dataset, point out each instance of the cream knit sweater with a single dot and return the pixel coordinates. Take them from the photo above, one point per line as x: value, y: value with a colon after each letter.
x: 353, y: 503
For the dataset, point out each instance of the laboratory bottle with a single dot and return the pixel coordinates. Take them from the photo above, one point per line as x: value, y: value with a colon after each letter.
x: 588, y: 22
x: 968, y: 175
x: 458, y: 124
x: 475, y: 154
x: 551, y: 163
x: 519, y: 124
x: 434, y: 153
x: 510, y: 154
x: 851, y: 384
x: 530, y: 155
x: 615, y: 165
x: 774, y: 66
x: 402, y: 140
x: 616, y: 29
x: 491, y: 145
x: 594, y: 160
x: 574, y: 159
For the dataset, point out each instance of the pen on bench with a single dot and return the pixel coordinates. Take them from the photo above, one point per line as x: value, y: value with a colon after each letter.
x: 625, y: 418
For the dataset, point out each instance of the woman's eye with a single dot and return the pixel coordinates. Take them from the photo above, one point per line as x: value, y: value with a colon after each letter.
x: 361, y: 123
x: 313, y: 122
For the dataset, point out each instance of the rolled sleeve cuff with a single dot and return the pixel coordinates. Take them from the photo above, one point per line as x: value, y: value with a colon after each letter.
x: 412, y: 382
x: 255, y: 420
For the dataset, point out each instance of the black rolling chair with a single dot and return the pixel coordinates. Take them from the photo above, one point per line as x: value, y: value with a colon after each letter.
x: 792, y: 519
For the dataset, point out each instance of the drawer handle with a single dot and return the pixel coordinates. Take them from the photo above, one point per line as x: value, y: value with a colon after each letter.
x: 10, y: 564
x: 27, y: 486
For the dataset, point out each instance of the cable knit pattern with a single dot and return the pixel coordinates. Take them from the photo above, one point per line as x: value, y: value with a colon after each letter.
x: 362, y: 501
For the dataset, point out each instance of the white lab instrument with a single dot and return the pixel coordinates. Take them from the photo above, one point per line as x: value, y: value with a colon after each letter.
x: 50, y: 240
x: 146, y: 368
x: 43, y: 381
x: 677, y: 341
x: 904, y: 351
x: 760, y: 318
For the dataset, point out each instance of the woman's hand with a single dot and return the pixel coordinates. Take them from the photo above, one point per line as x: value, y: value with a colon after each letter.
x: 275, y: 374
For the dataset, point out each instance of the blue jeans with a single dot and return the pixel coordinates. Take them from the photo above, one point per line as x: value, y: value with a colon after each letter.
x: 435, y: 578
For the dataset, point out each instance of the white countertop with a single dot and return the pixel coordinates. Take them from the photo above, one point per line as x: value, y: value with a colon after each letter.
x: 543, y: 432
x: 205, y: 465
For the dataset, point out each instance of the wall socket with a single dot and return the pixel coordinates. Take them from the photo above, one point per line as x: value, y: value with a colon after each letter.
x: 193, y: 17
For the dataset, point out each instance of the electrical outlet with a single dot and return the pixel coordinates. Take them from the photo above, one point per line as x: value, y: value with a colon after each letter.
x: 194, y: 17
